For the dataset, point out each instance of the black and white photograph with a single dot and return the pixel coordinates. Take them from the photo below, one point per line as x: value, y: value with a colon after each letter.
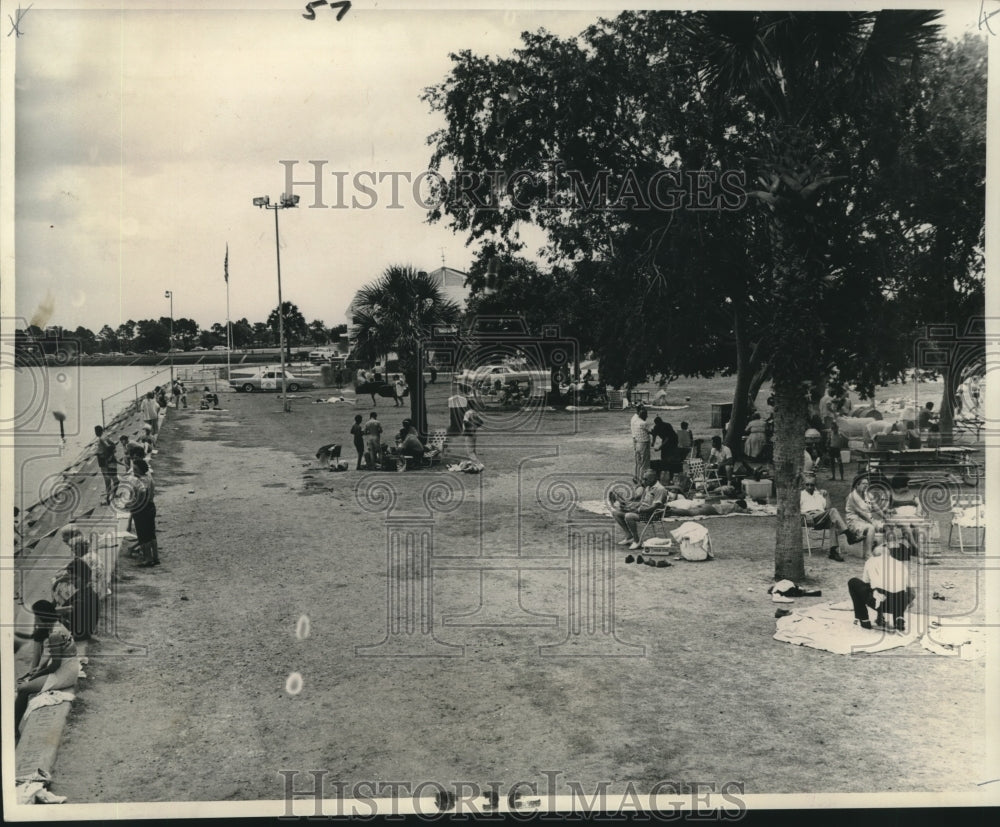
x: 448, y: 409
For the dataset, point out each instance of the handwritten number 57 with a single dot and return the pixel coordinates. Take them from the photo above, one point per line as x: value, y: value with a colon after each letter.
x: 343, y: 5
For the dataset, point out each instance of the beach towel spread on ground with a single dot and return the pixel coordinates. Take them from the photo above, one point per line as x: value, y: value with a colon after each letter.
x: 830, y: 626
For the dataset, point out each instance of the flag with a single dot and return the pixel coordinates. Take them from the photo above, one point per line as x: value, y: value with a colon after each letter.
x: 225, y: 264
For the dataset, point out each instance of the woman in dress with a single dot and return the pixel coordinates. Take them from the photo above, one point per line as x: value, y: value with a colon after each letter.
x: 863, y: 516
x: 756, y: 431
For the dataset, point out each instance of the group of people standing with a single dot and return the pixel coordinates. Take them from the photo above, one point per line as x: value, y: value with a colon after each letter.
x: 674, y: 446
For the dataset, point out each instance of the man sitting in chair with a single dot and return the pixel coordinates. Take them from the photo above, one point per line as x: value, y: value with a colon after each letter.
x: 649, y: 496
x: 815, y: 508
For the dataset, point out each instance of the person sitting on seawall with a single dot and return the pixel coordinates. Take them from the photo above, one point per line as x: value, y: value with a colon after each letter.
x: 648, y: 496
x: 54, y: 662
x: 815, y: 507
x: 884, y: 586
x: 864, y: 517
x: 721, y: 458
x: 80, y: 546
x: 73, y: 594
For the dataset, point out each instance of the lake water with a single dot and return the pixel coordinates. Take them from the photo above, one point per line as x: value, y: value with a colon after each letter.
x: 77, y: 392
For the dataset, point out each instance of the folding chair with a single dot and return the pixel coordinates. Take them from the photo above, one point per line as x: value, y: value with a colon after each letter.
x: 809, y: 532
x: 696, y: 471
x: 967, y: 512
x: 655, y: 518
x: 437, y: 443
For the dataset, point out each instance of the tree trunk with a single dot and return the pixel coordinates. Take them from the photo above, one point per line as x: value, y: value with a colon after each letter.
x: 750, y: 375
x: 789, y: 447
x: 418, y: 399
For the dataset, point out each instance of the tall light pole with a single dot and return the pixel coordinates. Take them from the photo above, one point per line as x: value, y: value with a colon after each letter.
x: 169, y: 294
x: 286, y: 202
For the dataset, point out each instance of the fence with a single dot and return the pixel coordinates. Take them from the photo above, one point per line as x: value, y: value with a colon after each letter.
x: 130, y: 394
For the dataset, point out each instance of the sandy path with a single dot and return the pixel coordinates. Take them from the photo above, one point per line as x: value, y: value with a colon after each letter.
x: 252, y: 538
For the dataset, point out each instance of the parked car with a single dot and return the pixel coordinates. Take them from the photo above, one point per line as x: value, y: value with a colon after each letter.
x: 199, y: 347
x: 486, y: 376
x: 220, y: 347
x: 268, y: 379
x: 323, y: 354
x: 176, y: 350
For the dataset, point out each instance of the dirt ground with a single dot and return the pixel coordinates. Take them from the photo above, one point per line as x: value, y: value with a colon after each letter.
x: 190, y: 701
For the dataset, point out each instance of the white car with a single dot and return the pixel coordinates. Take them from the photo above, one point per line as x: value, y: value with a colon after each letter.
x: 486, y: 376
x: 268, y: 379
x: 220, y: 347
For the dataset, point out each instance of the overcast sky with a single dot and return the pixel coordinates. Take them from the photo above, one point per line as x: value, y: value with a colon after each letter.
x: 142, y: 137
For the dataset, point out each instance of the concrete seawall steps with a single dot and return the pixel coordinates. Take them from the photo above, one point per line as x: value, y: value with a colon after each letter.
x: 41, y: 555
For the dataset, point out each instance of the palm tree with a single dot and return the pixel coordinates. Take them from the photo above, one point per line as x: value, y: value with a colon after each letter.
x: 395, y: 314
x: 809, y: 78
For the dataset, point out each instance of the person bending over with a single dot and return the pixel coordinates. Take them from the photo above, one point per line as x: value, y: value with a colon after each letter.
x: 884, y: 586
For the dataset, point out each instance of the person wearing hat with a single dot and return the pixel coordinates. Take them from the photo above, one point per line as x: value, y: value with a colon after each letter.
x: 864, y: 517
x: 815, y: 507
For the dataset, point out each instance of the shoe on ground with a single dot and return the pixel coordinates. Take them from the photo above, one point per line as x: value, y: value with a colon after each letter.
x: 880, y: 622
x: 901, y: 625
x: 662, y: 564
x: 780, y: 598
x: 640, y: 559
x: 626, y: 542
x: 634, y: 546
x: 835, y: 555
x: 629, y: 559
x: 864, y: 624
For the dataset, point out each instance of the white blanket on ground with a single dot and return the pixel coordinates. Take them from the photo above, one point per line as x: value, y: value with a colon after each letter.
x: 966, y: 642
x: 830, y: 626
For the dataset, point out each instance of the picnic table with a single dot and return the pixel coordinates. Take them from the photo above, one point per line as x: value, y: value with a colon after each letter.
x: 949, y: 463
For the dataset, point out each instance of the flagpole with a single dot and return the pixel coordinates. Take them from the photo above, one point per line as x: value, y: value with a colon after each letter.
x: 229, y: 327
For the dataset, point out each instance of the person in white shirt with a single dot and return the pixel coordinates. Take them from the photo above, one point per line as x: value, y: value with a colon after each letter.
x: 815, y: 507
x: 720, y: 458
x: 641, y: 438
x: 884, y: 586
x: 149, y: 411
x: 649, y: 496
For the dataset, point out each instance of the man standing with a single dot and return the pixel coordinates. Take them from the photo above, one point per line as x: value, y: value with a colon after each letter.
x: 815, y: 508
x: 641, y: 437
x: 373, y: 440
x: 399, y: 389
x: 150, y: 412
x: 107, y: 463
